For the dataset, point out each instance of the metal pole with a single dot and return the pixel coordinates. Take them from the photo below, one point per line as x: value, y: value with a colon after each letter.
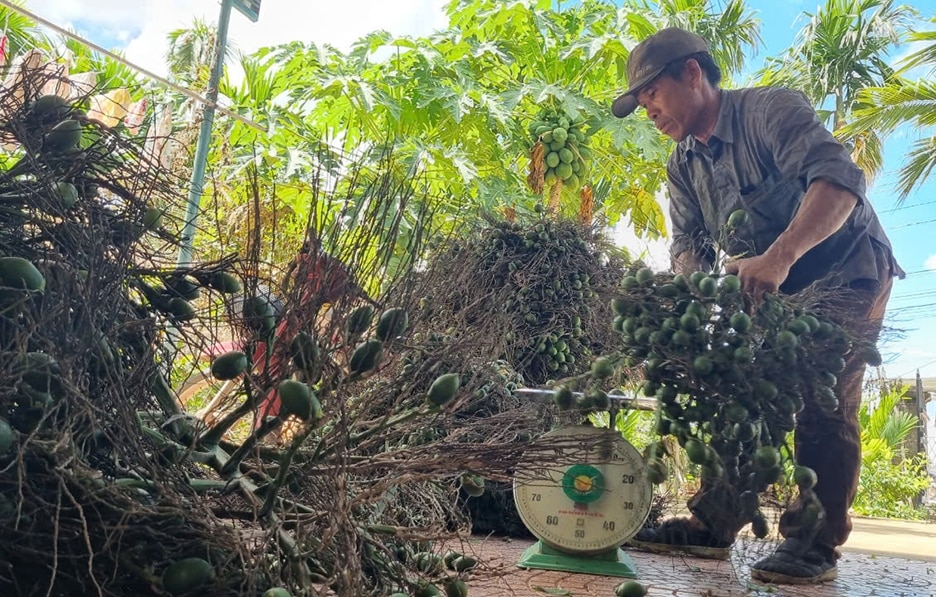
x: 921, y: 413
x: 921, y: 429
x: 204, y: 138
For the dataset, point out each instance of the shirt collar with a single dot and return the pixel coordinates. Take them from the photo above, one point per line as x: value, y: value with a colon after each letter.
x: 722, y: 130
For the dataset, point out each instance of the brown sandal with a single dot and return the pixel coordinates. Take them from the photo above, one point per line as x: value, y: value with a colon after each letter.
x: 681, y: 535
x: 797, y: 563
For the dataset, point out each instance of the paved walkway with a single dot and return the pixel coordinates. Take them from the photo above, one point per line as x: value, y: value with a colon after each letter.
x: 883, y: 559
x: 893, y: 537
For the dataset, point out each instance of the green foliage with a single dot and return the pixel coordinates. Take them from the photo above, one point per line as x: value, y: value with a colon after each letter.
x: 890, y: 482
x: 884, y: 427
x: 21, y: 31
x: 884, y: 108
x: 842, y: 49
x: 455, y: 106
x: 110, y: 74
x: 888, y: 490
x: 636, y: 426
x: 190, y: 52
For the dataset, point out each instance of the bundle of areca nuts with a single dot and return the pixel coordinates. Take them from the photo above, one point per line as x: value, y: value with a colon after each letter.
x: 721, y: 373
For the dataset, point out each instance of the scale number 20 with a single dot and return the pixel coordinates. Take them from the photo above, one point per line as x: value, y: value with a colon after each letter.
x: 627, y: 479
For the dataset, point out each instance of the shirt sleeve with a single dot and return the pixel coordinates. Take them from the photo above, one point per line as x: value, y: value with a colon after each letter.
x: 801, y: 146
x: 685, y: 213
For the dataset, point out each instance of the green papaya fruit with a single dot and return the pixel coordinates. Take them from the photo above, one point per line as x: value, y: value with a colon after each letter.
x: 366, y: 356
x: 19, y: 273
x: 186, y: 575
x: 63, y: 137
x: 359, y: 320
x: 229, y: 365
x: 392, y: 323
x: 224, y: 282
x: 443, y: 389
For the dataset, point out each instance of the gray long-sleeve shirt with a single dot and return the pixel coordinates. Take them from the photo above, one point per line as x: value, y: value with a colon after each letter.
x: 768, y: 145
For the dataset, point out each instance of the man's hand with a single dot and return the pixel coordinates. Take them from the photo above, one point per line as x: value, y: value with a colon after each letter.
x: 825, y: 209
x: 759, y: 274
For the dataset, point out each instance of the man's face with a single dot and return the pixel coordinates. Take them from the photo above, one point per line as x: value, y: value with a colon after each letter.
x: 670, y: 104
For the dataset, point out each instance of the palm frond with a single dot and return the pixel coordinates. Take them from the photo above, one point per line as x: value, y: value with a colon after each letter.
x: 875, y: 415
x: 897, y: 427
x: 867, y: 152
x: 731, y: 34
x: 873, y: 450
x: 920, y: 162
x: 840, y: 50
x: 883, y: 109
x: 21, y: 32
x: 925, y: 55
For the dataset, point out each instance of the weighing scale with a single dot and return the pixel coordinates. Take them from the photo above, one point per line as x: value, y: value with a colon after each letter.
x: 583, y: 511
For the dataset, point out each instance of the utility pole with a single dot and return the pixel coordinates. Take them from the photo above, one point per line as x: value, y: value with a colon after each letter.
x: 921, y: 427
x: 250, y: 9
x: 921, y: 412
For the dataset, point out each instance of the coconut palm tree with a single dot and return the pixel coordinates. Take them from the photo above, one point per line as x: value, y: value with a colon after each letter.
x: 190, y: 55
x: 905, y: 101
x: 731, y: 33
x: 842, y: 49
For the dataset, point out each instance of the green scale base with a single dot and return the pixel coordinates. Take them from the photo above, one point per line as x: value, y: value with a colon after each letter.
x: 613, y: 562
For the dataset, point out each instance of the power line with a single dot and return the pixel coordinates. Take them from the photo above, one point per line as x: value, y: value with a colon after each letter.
x: 911, y: 295
x: 917, y: 368
x: 920, y: 272
x: 909, y: 307
x: 889, y: 228
x: 903, y: 207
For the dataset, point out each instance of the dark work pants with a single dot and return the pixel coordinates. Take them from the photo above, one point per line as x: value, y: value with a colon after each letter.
x: 829, y: 443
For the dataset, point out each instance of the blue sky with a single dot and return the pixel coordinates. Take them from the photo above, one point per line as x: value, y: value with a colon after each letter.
x: 103, y: 35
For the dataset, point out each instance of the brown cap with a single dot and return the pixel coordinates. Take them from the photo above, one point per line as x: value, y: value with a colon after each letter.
x: 648, y: 60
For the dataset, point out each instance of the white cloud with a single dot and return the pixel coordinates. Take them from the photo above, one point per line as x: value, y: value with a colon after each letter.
x: 930, y: 262
x: 145, y: 23
x: 113, y: 13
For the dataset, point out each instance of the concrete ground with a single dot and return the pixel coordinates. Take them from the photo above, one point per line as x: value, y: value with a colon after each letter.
x: 881, y: 536
x: 883, y: 558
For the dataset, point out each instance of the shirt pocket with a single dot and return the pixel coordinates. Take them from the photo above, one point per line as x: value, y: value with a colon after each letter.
x: 771, y: 205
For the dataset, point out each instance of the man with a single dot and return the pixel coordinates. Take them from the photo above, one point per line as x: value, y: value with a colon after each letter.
x: 765, y: 151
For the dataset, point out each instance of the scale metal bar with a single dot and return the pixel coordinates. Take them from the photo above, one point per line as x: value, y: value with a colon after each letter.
x: 634, y: 402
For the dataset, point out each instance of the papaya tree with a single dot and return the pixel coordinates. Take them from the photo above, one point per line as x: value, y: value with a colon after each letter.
x: 457, y: 105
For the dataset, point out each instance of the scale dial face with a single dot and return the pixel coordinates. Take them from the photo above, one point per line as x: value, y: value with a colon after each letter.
x: 592, y: 505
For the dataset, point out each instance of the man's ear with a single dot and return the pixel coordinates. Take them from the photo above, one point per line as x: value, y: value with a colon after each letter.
x: 694, y: 72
